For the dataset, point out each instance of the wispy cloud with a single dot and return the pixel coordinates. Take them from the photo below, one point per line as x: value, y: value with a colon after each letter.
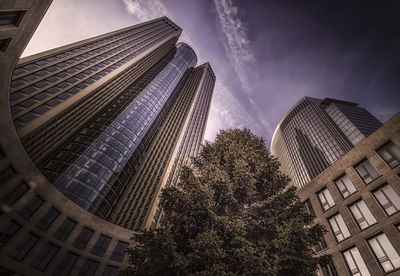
x: 235, y: 41
x: 227, y: 112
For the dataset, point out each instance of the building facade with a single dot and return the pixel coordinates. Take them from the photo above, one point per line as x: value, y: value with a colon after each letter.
x: 357, y: 199
x: 91, y: 133
x: 315, y: 133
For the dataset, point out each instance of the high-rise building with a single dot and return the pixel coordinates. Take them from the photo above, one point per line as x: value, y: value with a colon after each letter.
x: 91, y: 133
x: 315, y: 133
x: 357, y: 199
x: 346, y: 165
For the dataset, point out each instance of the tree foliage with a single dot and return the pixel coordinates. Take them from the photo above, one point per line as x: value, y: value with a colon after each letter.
x: 232, y: 213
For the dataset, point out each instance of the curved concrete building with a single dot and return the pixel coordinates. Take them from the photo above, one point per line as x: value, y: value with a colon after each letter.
x: 315, y: 133
x: 90, y: 134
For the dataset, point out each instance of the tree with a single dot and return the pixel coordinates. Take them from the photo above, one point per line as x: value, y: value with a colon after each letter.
x: 232, y: 213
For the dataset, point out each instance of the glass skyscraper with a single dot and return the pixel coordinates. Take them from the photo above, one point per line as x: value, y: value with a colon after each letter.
x: 315, y: 133
x: 90, y: 134
x: 94, y: 162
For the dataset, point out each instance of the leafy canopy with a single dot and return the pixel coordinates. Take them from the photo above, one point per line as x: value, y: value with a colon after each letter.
x: 232, y: 213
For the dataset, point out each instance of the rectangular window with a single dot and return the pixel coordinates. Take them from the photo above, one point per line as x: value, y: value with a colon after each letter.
x: 6, y: 174
x: 66, y: 264
x: 339, y: 228
x: 362, y: 214
x: 321, y: 245
x: 89, y: 268
x: 11, y: 18
x: 31, y: 207
x: 329, y: 269
x: 47, y: 219
x: 45, y: 257
x: 367, y: 171
x: 15, y: 194
x: 110, y: 271
x: 65, y: 229
x: 24, y: 247
x: 83, y: 238
x: 101, y: 245
x: 4, y: 42
x: 385, y: 253
x: 345, y: 186
x: 390, y: 153
x: 355, y: 262
x: 326, y: 199
x: 307, y: 206
x: 119, y: 251
x: 7, y: 232
x: 388, y: 199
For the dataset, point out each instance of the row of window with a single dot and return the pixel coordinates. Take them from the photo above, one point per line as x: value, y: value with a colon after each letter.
x: 54, y: 101
x: 383, y: 250
x: 87, y: 50
x: 385, y: 195
x: 48, y: 253
x: 389, y: 152
x: 44, y: 258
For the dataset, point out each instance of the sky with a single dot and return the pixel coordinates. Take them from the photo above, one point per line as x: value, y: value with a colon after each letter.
x: 266, y: 55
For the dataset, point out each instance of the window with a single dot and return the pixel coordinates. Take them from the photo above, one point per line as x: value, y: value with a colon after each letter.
x: 66, y: 264
x: 388, y: 199
x: 15, y: 194
x: 362, y: 214
x: 355, y: 262
x: 119, y: 251
x: 326, y: 199
x: 47, y: 219
x: 89, y: 268
x: 45, y: 257
x: 329, y: 269
x: 83, y: 238
x: 4, y: 42
x: 384, y: 252
x: 321, y: 245
x: 101, y: 245
x: 65, y: 229
x: 367, y: 171
x: 31, y: 207
x: 339, y: 228
x: 6, y: 174
x: 110, y: 271
x: 11, y: 18
x: 24, y: 247
x: 7, y: 232
x: 345, y: 186
x: 308, y: 207
x: 390, y: 153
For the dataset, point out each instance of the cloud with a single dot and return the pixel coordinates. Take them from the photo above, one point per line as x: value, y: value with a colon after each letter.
x: 235, y: 41
x: 227, y: 112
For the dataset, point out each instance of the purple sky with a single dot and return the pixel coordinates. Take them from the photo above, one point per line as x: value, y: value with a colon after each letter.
x: 266, y: 54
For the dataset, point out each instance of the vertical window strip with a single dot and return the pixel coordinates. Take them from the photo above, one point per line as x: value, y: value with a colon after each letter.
x: 367, y: 171
x: 339, y: 228
x: 345, y: 186
x: 385, y: 253
x: 390, y: 153
x: 388, y: 199
x: 356, y: 263
x: 362, y: 214
x: 326, y: 199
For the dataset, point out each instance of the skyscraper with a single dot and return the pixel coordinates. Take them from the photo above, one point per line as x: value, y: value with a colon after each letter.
x: 345, y: 163
x: 91, y: 133
x: 94, y: 166
x: 315, y: 133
